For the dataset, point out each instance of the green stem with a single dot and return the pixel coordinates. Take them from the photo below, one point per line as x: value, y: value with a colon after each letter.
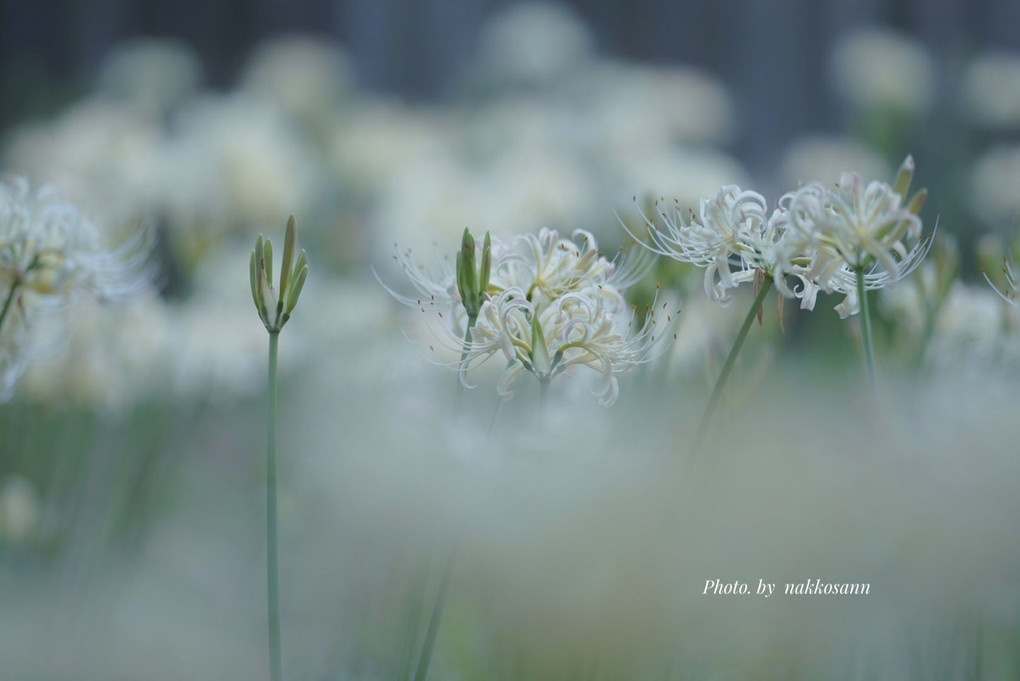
x: 432, y: 632
x: 543, y: 394
x: 713, y: 400
x: 8, y: 301
x: 272, y: 570
x: 862, y: 299
x: 496, y: 409
x: 463, y: 355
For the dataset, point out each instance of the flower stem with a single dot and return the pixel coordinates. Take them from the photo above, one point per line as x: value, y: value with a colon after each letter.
x: 432, y: 632
x: 7, y: 302
x: 273, y: 588
x: 496, y: 409
x: 869, y: 352
x: 713, y: 400
x: 463, y: 355
x: 543, y: 394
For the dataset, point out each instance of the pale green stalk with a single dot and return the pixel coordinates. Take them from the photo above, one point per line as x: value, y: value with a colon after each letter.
x: 7, y: 302
x: 543, y: 394
x: 432, y: 631
x: 713, y: 400
x: 869, y: 353
x: 496, y: 409
x: 273, y: 589
x: 463, y: 355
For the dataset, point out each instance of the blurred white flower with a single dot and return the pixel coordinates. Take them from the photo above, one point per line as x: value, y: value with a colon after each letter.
x: 116, y: 358
x: 991, y: 90
x: 994, y: 180
x: 644, y: 107
x: 50, y: 251
x: 881, y: 69
x: 534, y: 43
x: 49, y: 255
x: 151, y: 75
x: 970, y: 330
x: 259, y: 167
x: 684, y: 174
x: 19, y: 509
x: 309, y: 78
x: 379, y: 141
x: 107, y: 157
x: 824, y: 159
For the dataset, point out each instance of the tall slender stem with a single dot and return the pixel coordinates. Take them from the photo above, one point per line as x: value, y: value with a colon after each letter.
x: 862, y: 299
x: 8, y: 300
x: 720, y: 383
x: 543, y: 394
x: 463, y: 355
x: 432, y: 632
x: 496, y: 409
x: 272, y: 570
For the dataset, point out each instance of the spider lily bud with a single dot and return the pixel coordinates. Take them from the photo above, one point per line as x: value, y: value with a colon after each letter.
x: 917, y: 201
x: 472, y: 282
x: 275, y: 308
x: 904, y: 176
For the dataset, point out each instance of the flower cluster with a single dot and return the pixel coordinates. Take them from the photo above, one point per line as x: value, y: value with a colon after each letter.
x: 822, y: 237
x: 546, y: 304
x: 49, y: 255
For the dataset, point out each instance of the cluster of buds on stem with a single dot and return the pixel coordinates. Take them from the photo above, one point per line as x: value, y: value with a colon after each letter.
x: 472, y: 281
x: 274, y: 308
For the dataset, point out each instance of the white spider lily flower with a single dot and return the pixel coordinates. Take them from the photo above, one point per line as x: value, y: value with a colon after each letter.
x: 734, y: 239
x: 577, y: 329
x: 49, y: 248
x: 49, y: 255
x: 854, y: 230
x: 547, y: 267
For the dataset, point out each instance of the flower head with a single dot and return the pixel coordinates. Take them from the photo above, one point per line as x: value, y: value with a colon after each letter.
x: 548, y: 266
x: 855, y: 230
x: 275, y: 309
x: 822, y: 237
x: 49, y: 255
x: 733, y: 238
x: 577, y: 329
x: 544, y: 303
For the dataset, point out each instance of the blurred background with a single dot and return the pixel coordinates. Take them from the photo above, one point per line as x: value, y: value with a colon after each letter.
x: 132, y: 453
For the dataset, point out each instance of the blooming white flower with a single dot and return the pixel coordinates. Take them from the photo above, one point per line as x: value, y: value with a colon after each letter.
x: 50, y: 254
x: 854, y: 230
x: 576, y: 329
x: 547, y: 267
x: 733, y: 238
x: 548, y: 303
